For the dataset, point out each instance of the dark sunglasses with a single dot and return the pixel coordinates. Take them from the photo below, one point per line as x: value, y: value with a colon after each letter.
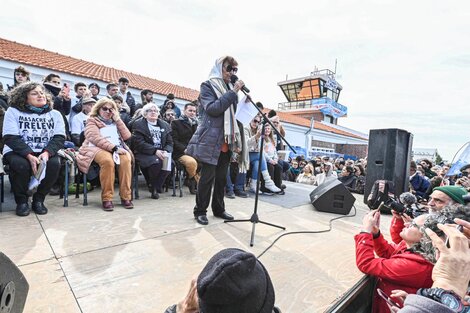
x: 107, y: 109
x: 256, y: 121
x: 230, y: 68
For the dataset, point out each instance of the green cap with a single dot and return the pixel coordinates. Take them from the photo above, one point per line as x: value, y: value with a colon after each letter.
x: 455, y: 192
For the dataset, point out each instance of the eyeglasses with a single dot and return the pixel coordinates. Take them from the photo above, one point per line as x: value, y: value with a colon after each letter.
x: 152, y: 111
x: 231, y: 68
x: 256, y: 121
x: 105, y: 109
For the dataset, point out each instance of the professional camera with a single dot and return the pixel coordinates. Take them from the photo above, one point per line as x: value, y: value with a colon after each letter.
x: 406, y: 204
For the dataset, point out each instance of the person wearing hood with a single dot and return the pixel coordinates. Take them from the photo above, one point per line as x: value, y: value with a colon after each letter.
x: 170, y: 105
x: 216, y: 137
x: 31, y: 110
x: 20, y: 76
x: 327, y: 174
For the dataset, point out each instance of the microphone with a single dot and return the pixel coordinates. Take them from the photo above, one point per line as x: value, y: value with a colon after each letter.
x: 233, y: 80
x: 408, y: 199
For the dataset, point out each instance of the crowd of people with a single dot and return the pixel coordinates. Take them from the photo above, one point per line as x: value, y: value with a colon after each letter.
x: 114, y: 134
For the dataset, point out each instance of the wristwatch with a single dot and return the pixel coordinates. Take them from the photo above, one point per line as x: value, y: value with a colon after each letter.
x: 446, y: 297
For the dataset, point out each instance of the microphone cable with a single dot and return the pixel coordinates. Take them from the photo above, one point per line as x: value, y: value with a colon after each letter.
x: 330, y: 227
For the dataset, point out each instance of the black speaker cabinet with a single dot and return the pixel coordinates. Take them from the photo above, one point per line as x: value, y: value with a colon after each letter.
x: 13, y: 287
x: 332, y: 197
x: 389, y: 158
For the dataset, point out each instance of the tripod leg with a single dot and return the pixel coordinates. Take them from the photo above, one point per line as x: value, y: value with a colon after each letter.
x: 252, y: 240
x: 273, y: 225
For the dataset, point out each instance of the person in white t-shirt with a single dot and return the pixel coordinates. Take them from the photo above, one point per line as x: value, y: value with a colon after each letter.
x: 79, y: 121
x: 33, y: 133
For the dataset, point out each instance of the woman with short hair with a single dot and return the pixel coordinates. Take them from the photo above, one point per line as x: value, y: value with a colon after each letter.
x: 104, y: 144
x: 33, y: 133
x: 152, y: 143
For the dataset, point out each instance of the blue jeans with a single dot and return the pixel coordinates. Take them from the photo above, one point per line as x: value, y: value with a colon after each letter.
x: 239, y: 182
x: 254, y: 164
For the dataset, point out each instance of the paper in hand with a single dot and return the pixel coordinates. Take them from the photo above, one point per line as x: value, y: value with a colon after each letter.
x: 116, y: 158
x: 246, y: 111
x: 39, y: 176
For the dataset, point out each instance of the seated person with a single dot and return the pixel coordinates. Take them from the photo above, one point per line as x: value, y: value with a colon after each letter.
x: 397, y: 266
x: 25, y: 148
x: 182, y: 130
x: 294, y: 171
x: 169, y: 104
x: 79, y: 121
x: 151, y: 143
x: 307, y: 177
x: 347, y: 178
x: 327, y: 174
x: 418, y: 183
x: 232, y: 281
x: 360, y: 174
x: 169, y: 116
x: 104, y: 144
x: 123, y: 111
x: 252, y: 137
x: 270, y: 154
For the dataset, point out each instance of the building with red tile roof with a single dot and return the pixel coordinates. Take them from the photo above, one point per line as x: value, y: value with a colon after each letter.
x: 297, y: 122
x: 41, y: 58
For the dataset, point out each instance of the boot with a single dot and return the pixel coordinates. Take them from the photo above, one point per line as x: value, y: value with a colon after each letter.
x: 253, y: 185
x: 268, y: 182
x: 192, y: 186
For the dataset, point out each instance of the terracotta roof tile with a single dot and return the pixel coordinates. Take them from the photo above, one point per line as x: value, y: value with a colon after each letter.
x: 17, y: 52
x: 288, y: 117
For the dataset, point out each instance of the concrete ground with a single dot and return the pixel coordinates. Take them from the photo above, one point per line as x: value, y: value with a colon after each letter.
x: 82, y: 259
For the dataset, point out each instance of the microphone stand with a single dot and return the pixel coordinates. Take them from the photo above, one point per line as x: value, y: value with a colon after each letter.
x: 254, y: 219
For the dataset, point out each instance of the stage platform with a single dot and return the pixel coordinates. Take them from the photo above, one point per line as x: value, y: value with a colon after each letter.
x: 82, y: 259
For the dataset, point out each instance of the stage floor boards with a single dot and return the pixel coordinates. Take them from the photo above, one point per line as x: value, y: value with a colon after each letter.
x: 82, y: 259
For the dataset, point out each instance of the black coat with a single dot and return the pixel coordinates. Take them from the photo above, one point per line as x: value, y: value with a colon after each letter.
x: 181, y: 131
x: 207, y: 141
x: 142, y: 142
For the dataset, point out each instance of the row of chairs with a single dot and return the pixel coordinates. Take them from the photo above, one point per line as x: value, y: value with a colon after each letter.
x: 178, y: 175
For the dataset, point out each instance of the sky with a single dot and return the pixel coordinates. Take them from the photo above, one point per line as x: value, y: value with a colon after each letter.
x: 402, y: 64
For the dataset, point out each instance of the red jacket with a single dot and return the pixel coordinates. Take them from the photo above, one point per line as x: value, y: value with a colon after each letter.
x: 396, y: 227
x: 395, y: 267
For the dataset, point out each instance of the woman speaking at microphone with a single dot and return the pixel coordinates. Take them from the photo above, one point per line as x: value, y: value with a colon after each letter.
x: 217, y: 137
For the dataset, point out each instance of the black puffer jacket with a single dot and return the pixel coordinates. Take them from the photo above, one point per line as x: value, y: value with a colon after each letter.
x: 181, y: 131
x: 206, y: 143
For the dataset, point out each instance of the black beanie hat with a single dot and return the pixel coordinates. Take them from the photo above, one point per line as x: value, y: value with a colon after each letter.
x: 235, y: 281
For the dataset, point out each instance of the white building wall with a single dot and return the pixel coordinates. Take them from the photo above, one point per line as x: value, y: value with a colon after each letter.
x: 38, y: 74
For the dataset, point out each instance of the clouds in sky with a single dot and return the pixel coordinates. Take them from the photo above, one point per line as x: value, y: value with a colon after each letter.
x: 403, y: 64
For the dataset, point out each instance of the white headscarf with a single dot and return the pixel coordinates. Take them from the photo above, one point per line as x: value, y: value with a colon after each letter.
x: 232, y: 135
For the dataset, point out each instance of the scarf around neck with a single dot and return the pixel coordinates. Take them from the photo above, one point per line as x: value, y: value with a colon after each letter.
x: 231, y: 131
x: 37, y: 110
